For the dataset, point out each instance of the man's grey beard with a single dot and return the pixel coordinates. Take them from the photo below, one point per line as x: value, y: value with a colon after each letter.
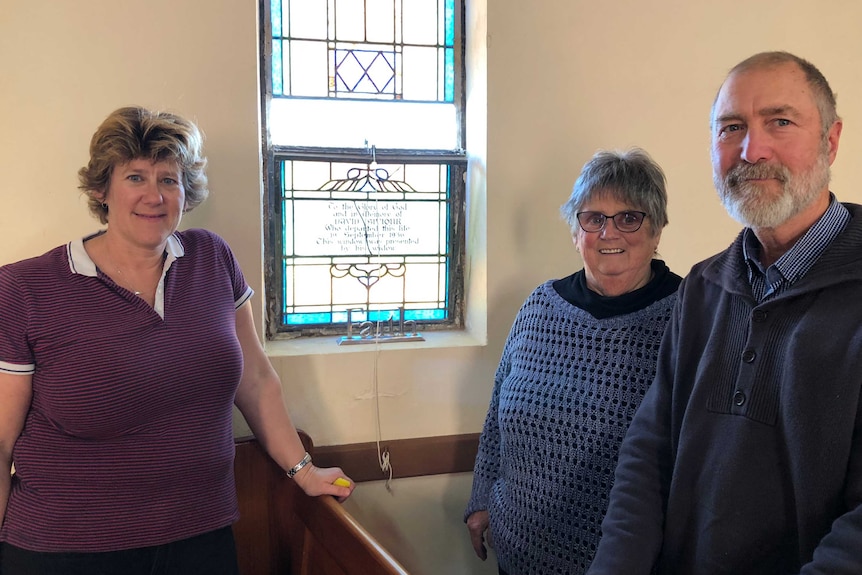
x: 745, y: 204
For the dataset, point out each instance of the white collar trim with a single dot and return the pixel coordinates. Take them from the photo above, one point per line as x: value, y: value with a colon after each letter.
x: 80, y: 262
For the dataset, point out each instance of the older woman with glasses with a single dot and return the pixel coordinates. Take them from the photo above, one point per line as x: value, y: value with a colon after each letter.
x: 578, y: 360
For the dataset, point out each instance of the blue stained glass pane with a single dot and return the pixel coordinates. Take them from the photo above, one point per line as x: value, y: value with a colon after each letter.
x: 450, y: 22
x: 382, y: 316
x: 424, y: 314
x: 414, y: 314
x: 341, y: 316
x: 307, y: 318
x: 275, y: 16
x: 450, y: 75
x: 277, y: 67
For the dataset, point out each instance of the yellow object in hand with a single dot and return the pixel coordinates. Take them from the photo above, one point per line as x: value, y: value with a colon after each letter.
x: 341, y: 482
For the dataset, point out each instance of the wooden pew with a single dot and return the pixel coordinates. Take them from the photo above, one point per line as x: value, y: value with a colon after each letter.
x: 283, y: 531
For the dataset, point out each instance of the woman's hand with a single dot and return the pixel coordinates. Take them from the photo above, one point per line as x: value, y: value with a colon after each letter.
x: 478, y: 523
x: 320, y: 481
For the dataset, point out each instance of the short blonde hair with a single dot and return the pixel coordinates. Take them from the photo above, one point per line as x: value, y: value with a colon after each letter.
x: 134, y: 133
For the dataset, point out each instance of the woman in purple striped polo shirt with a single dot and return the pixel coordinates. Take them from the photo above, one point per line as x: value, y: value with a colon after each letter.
x: 121, y: 356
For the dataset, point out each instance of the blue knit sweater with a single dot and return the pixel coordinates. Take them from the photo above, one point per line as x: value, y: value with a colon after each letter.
x: 565, y: 391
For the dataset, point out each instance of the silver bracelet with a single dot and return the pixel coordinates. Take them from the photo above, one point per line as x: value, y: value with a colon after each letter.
x: 306, y: 459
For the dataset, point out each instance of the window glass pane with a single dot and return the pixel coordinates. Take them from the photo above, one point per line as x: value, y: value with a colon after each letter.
x: 308, y: 318
x: 380, y: 21
x: 275, y: 17
x: 423, y: 283
x: 277, y: 68
x: 417, y: 14
x: 425, y: 177
x: 377, y: 236
x: 310, y: 285
x: 387, y: 292
x: 289, y: 280
x: 308, y: 68
x: 347, y: 292
x: 307, y: 176
x: 444, y: 225
x: 449, y: 26
x: 350, y: 20
x: 324, y: 227
x: 364, y: 52
x: 308, y: 19
x: 420, y: 73
x: 365, y: 71
x: 362, y: 235
x: 448, y: 76
x: 288, y: 225
x: 349, y: 123
x: 425, y: 314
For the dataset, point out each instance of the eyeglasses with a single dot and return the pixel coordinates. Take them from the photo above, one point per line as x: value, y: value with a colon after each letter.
x: 626, y: 222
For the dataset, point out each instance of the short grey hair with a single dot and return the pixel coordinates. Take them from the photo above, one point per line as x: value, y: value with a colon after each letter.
x: 824, y: 97
x: 631, y: 176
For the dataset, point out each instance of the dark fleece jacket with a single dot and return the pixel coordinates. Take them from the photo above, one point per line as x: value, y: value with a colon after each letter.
x: 746, y: 454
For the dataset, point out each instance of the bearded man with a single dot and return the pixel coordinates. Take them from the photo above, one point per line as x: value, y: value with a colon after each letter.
x: 746, y: 454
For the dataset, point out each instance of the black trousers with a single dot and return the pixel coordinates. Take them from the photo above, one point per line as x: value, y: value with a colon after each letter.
x: 212, y: 553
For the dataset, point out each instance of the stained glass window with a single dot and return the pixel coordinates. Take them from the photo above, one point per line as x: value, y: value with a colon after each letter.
x: 363, y: 112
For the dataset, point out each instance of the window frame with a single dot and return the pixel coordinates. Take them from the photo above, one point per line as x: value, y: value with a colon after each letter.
x: 273, y: 155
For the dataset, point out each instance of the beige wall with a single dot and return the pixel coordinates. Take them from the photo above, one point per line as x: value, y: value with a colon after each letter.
x: 564, y: 77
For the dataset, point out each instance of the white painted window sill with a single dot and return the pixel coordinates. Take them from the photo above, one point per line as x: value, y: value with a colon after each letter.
x: 329, y: 344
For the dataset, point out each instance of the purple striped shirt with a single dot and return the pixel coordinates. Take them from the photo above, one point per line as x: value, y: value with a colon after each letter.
x: 128, y: 441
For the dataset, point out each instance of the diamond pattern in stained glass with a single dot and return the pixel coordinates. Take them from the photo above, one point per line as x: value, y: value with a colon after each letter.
x: 366, y: 72
x: 348, y: 73
x: 382, y: 71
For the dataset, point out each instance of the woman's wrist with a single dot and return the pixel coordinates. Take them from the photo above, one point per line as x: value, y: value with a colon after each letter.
x: 305, y: 461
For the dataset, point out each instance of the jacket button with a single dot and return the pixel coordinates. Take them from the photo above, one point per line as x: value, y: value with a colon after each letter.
x: 738, y: 398
x: 759, y: 315
x: 748, y: 355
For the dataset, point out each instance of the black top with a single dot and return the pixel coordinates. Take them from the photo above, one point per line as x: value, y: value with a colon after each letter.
x: 574, y: 290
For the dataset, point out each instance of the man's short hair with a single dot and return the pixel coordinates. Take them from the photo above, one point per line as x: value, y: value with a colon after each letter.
x: 824, y: 97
